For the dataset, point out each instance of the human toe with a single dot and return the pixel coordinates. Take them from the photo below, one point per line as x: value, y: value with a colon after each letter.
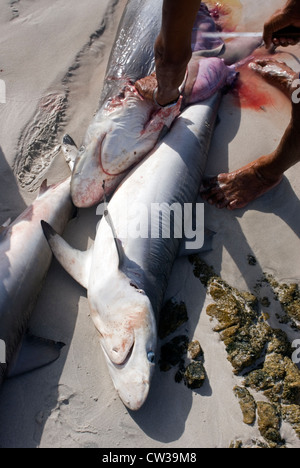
x: 209, y: 182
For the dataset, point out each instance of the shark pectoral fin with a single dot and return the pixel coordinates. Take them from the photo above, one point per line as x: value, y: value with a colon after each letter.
x: 162, y: 120
x: 33, y: 354
x: 75, y: 262
x: 186, y: 246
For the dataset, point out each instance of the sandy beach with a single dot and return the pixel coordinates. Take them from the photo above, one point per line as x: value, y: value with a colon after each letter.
x: 53, y: 61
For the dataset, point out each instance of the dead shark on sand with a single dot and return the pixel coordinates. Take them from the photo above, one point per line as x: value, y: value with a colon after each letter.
x: 126, y: 278
x: 25, y: 258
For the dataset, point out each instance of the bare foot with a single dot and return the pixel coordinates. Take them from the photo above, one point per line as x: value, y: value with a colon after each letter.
x: 236, y: 189
x: 276, y: 73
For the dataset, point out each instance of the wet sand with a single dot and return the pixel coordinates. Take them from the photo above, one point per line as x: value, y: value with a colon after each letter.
x: 53, y: 61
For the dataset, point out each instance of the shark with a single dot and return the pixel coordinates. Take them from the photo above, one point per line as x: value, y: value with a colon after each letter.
x: 25, y: 258
x: 126, y: 126
x: 126, y: 274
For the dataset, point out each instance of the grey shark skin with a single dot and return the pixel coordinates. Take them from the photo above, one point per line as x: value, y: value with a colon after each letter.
x: 126, y: 278
x: 25, y: 258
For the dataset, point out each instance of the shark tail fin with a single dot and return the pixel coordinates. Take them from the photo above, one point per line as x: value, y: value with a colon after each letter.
x: 75, y: 262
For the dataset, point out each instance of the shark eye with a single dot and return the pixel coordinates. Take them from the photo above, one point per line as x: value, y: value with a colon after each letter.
x: 151, y: 357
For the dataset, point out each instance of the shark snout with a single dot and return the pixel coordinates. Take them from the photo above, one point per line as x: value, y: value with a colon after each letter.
x: 129, y: 340
x: 131, y: 380
x: 132, y: 375
x: 86, y: 193
x: 135, y: 395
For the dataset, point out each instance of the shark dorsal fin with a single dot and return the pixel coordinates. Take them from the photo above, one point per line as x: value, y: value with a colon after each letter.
x: 109, y: 221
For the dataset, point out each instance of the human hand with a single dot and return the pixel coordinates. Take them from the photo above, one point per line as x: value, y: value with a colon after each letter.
x: 287, y: 17
x: 146, y: 86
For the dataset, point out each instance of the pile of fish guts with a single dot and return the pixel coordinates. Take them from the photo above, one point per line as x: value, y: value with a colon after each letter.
x: 134, y: 152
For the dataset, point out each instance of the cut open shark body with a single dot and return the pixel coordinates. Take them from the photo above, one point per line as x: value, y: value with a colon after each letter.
x: 127, y: 127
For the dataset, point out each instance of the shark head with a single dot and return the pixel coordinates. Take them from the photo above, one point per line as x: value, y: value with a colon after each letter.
x: 113, y: 143
x: 124, y: 318
x: 121, y: 135
x: 89, y: 169
x: 123, y: 315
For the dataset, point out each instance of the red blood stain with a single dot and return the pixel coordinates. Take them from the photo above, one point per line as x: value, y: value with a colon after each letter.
x: 218, y: 10
x: 222, y: 14
x: 251, y: 92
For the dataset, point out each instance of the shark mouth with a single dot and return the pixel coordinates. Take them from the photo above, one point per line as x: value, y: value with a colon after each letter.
x: 126, y: 360
x: 100, y: 152
x: 122, y: 364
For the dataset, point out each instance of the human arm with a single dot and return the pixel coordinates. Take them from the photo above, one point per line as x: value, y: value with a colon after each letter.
x: 286, y: 17
x: 172, y: 51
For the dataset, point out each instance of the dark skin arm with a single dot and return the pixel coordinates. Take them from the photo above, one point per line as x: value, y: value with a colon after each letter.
x: 287, y: 154
x: 288, y: 16
x: 172, y: 51
x: 240, y: 187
